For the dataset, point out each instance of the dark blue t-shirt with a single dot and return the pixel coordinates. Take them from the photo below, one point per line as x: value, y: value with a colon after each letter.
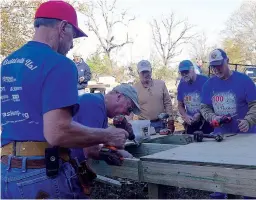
x: 35, y: 80
x: 92, y: 113
x: 191, y: 94
x: 230, y: 96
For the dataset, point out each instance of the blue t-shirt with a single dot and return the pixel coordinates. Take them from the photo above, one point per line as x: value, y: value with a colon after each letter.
x: 190, y: 94
x: 35, y: 80
x: 92, y: 113
x: 230, y: 96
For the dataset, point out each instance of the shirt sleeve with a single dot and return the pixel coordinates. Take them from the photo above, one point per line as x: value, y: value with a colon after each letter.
x: 206, y: 94
x: 250, y: 90
x: 60, y: 88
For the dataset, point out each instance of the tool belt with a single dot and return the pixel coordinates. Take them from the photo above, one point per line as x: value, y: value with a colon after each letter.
x: 85, y: 174
x: 28, y: 149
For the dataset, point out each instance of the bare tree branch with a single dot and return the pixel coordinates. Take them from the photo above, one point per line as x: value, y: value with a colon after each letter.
x: 111, y: 18
x: 168, y: 35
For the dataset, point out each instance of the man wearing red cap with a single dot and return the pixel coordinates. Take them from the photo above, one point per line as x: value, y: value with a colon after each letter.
x: 39, y: 99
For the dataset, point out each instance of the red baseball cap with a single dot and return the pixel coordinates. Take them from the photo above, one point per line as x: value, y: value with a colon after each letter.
x: 60, y: 10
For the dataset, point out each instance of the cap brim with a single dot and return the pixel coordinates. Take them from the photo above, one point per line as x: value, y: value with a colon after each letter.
x: 79, y: 33
x: 136, y: 110
x: 144, y: 69
x: 184, y: 69
x: 216, y: 63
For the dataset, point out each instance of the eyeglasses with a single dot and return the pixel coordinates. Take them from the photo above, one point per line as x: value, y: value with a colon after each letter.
x: 129, y: 108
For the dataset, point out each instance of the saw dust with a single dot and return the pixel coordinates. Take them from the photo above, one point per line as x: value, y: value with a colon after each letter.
x: 137, y: 190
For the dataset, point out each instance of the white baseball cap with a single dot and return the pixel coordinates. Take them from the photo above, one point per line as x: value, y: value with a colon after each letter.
x: 217, y: 57
x: 144, y: 65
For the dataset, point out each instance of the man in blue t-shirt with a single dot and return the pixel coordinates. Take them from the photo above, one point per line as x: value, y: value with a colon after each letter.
x: 38, y: 100
x: 229, y: 93
x: 95, y: 109
x: 189, y: 98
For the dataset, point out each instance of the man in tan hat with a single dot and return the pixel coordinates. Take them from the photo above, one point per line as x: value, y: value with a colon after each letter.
x: 39, y: 98
x: 153, y: 97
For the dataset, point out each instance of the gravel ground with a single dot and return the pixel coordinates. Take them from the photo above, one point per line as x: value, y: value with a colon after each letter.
x: 136, y: 190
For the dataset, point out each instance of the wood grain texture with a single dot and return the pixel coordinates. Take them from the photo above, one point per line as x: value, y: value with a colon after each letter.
x: 218, y: 179
x: 131, y: 167
x: 237, y: 151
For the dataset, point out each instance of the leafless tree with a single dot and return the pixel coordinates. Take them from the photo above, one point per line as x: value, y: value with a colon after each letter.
x: 200, y: 49
x: 241, y: 29
x: 111, y: 18
x: 169, y: 35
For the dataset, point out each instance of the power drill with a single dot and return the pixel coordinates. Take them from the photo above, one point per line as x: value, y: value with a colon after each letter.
x: 164, y: 118
x: 121, y: 122
x: 110, y: 153
x: 223, y: 120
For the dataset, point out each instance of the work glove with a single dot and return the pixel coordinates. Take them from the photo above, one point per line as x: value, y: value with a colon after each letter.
x: 171, y: 126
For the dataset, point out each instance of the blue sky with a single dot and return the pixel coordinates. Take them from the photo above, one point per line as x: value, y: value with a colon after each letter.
x: 208, y: 16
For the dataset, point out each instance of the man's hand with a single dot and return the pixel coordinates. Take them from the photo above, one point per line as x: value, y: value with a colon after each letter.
x: 243, y: 125
x: 116, y: 137
x: 81, y: 79
x: 188, y: 119
x: 170, y: 125
x: 196, y: 117
x: 125, y: 154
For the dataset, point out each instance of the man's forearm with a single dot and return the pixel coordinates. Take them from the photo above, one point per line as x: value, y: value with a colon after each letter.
x: 251, y: 114
x: 207, y: 112
x: 76, y: 136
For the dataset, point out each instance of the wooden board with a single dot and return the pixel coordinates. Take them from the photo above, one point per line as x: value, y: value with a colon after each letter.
x: 131, y: 167
x: 236, y: 151
x: 216, y: 179
x: 178, y: 139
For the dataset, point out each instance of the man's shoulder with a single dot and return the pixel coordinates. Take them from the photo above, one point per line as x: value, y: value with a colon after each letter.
x: 137, y: 85
x: 241, y: 76
x: 91, y: 98
x: 158, y: 82
x: 203, y: 78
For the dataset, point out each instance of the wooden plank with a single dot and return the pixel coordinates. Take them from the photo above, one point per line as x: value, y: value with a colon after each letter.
x: 130, y: 168
x: 178, y: 139
x: 156, y: 191
x: 217, y: 179
x: 148, y: 149
x: 234, y: 151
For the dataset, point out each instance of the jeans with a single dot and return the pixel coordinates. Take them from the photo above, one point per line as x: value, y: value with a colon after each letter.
x: 158, y: 125
x: 23, y: 183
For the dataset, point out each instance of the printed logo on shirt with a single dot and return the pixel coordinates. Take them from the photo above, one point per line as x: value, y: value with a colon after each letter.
x: 28, y: 63
x: 224, y: 103
x: 192, y: 102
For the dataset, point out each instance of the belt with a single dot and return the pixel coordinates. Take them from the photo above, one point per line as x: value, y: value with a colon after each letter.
x: 29, y: 149
x: 17, y: 163
x: 25, y: 148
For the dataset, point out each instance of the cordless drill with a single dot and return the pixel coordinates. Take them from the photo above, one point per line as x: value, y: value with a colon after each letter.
x: 223, y: 120
x: 109, y: 153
